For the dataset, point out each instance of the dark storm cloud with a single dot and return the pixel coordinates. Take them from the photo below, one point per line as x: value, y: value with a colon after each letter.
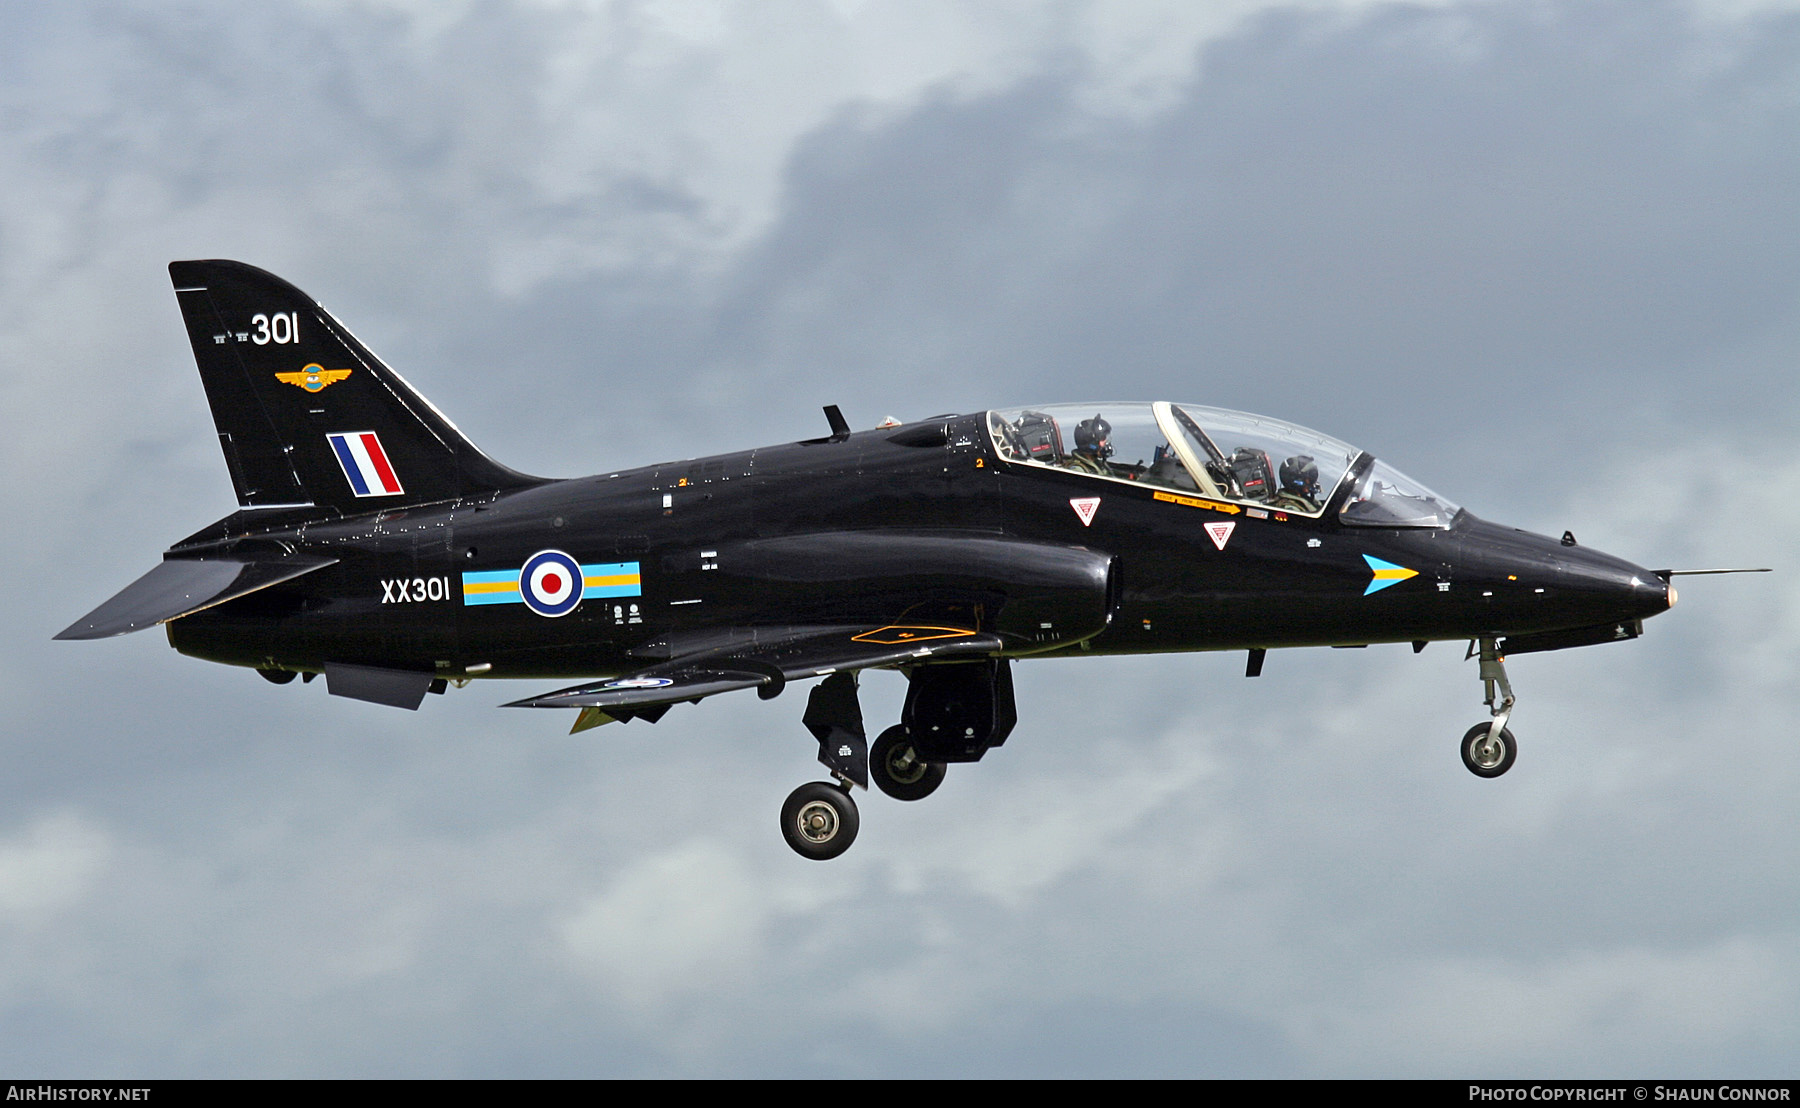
x: 1412, y: 229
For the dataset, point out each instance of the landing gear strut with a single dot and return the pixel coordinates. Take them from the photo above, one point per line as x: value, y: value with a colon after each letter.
x: 819, y: 819
x: 953, y: 713
x: 1488, y: 749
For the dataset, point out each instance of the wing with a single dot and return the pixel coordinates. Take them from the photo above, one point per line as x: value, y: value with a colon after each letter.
x: 766, y: 665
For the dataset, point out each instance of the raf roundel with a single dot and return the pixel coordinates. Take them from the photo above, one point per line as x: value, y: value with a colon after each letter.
x: 550, y: 584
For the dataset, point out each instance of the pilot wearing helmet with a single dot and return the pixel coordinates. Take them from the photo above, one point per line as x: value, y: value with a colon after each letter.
x: 1299, y: 489
x: 1093, y: 445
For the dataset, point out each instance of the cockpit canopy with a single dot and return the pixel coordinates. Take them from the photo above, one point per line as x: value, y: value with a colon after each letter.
x: 1218, y: 454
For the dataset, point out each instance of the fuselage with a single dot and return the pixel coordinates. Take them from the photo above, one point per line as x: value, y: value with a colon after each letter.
x: 375, y: 544
x: 928, y: 524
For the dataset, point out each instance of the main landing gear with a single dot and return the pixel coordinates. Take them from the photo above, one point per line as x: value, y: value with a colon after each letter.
x: 898, y: 768
x: 1488, y: 749
x: 953, y: 713
x: 819, y: 819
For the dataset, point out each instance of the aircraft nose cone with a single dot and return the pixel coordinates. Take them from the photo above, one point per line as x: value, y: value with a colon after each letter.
x: 1630, y: 591
x: 1543, y: 583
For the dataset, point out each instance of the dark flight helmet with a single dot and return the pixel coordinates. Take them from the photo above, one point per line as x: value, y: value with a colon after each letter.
x: 1300, y: 476
x: 1094, y: 436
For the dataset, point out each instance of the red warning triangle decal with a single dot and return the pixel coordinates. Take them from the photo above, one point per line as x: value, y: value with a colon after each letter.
x: 1085, y: 507
x: 1220, y: 532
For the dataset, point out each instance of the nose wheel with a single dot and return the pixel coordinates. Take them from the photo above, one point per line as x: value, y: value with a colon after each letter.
x: 819, y: 820
x: 1488, y: 749
x: 1488, y: 754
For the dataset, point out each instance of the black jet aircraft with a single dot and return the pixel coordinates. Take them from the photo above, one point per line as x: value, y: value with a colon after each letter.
x: 376, y: 545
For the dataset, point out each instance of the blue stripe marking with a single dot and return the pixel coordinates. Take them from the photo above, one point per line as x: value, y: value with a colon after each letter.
x: 490, y: 576
x: 611, y: 569
x: 348, y: 461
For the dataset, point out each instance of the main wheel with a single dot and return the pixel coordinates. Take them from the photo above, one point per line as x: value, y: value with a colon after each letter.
x: 1485, y: 757
x: 897, y: 769
x: 819, y: 820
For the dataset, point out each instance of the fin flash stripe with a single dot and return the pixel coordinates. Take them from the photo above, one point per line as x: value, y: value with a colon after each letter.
x: 365, y: 463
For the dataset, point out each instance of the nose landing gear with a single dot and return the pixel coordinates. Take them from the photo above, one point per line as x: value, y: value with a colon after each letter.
x: 1488, y: 749
x: 1487, y: 754
x: 819, y: 820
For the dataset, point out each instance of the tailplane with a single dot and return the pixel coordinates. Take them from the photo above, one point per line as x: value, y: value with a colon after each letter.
x: 306, y: 415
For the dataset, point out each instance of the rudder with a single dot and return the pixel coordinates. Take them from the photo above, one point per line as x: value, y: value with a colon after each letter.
x: 305, y: 413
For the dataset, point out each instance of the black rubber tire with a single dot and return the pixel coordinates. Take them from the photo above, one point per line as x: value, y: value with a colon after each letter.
x: 902, y: 782
x: 278, y: 676
x: 819, y: 820
x: 1486, y: 766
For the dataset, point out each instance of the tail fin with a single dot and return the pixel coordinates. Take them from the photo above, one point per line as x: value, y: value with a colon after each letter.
x: 306, y: 415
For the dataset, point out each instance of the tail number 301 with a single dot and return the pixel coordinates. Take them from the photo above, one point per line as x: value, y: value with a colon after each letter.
x: 282, y: 327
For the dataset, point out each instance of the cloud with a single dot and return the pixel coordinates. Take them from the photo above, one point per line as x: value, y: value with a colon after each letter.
x: 1584, y: 1016
x: 50, y: 866
x: 682, y: 924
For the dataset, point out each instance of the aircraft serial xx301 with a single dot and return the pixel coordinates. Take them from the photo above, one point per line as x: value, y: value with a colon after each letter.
x: 375, y: 544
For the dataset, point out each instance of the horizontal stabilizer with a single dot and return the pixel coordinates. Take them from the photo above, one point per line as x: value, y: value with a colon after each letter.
x: 182, y: 586
x: 813, y: 652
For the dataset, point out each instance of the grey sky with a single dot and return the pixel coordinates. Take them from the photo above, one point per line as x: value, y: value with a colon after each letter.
x: 1544, y: 257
